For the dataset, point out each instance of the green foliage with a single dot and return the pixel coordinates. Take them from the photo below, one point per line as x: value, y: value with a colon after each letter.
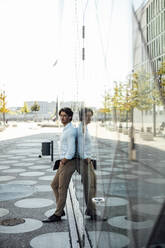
x: 144, y: 94
x: 25, y: 109
x: 3, y: 107
x: 161, y: 81
x: 35, y: 107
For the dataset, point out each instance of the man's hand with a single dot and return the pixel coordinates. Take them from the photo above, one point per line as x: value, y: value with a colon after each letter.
x: 87, y: 160
x: 63, y: 161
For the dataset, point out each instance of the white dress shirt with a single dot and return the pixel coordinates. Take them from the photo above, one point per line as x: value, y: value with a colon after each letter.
x: 67, y: 142
x: 84, y: 142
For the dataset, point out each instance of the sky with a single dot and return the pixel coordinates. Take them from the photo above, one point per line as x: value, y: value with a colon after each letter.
x: 41, y: 49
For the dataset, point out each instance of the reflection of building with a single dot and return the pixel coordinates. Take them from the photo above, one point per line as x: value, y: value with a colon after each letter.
x: 151, y: 18
x: 149, y: 44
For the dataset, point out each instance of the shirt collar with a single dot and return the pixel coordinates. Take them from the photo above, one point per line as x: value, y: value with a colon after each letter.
x: 67, y: 126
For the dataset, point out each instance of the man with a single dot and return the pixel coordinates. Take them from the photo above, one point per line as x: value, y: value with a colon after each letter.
x: 66, y: 168
x: 85, y: 166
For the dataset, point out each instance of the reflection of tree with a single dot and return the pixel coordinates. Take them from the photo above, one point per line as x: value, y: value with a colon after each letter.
x: 25, y: 109
x: 3, y: 108
x: 106, y: 105
x: 118, y: 101
x: 124, y: 99
x: 161, y: 81
x: 35, y: 107
x: 135, y: 93
x: 144, y: 95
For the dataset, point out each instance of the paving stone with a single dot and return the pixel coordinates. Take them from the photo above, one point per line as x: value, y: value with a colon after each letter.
x: 56, y: 239
x: 34, y: 203
x: 6, y: 178
x: 32, y: 174
x: 122, y: 222
x: 3, y: 212
x: 151, y: 209
x: 13, y: 171
x: 109, y: 239
x: 24, y: 182
x: 14, y: 191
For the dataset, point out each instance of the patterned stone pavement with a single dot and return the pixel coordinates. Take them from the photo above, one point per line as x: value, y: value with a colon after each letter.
x: 131, y: 193
x: 26, y: 196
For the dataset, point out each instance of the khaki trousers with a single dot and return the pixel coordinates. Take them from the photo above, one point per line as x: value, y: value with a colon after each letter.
x: 89, y: 184
x: 60, y: 184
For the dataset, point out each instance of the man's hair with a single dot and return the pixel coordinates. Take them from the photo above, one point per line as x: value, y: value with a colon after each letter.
x: 68, y: 111
x: 83, y: 112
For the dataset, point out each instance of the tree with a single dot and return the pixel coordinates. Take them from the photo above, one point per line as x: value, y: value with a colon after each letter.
x: 118, y: 100
x: 3, y: 108
x: 161, y: 81
x: 106, y: 105
x: 35, y: 107
x: 25, y: 109
x: 145, y: 100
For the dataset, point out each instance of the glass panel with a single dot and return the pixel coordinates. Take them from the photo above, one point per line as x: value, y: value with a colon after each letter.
x: 110, y: 70
x: 126, y: 128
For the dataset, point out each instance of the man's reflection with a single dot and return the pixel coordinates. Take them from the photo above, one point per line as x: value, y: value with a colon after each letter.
x: 85, y: 165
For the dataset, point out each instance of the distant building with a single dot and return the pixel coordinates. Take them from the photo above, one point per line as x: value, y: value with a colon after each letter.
x: 46, y: 108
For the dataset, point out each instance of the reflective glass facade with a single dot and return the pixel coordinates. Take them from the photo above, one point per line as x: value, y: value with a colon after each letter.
x: 110, y: 71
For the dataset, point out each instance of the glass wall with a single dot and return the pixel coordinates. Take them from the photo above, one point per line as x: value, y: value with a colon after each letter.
x: 106, y: 61
x: 121, y: 78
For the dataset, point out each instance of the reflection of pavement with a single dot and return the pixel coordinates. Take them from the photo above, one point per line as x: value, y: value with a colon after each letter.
x: 104, y: 133
x: 25, y: 194
x: 133, y: 191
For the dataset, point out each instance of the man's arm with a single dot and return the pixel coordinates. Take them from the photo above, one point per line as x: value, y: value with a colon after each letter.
x: 71, y: 139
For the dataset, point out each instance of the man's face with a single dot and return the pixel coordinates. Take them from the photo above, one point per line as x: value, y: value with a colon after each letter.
x: 88, y: 117
x: 65, y: 119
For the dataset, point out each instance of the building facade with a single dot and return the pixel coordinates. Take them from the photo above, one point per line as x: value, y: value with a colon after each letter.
x: 149, y: 50
x: 149, y: 36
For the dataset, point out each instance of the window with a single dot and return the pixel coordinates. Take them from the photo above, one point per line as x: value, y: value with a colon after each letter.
x: 163, y: 43
x: 153, y: 8
x: 159, y: 24
x: 162, y: 22
x: 152, y: 14
x: 156, y: 6
x: 147, y: 16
